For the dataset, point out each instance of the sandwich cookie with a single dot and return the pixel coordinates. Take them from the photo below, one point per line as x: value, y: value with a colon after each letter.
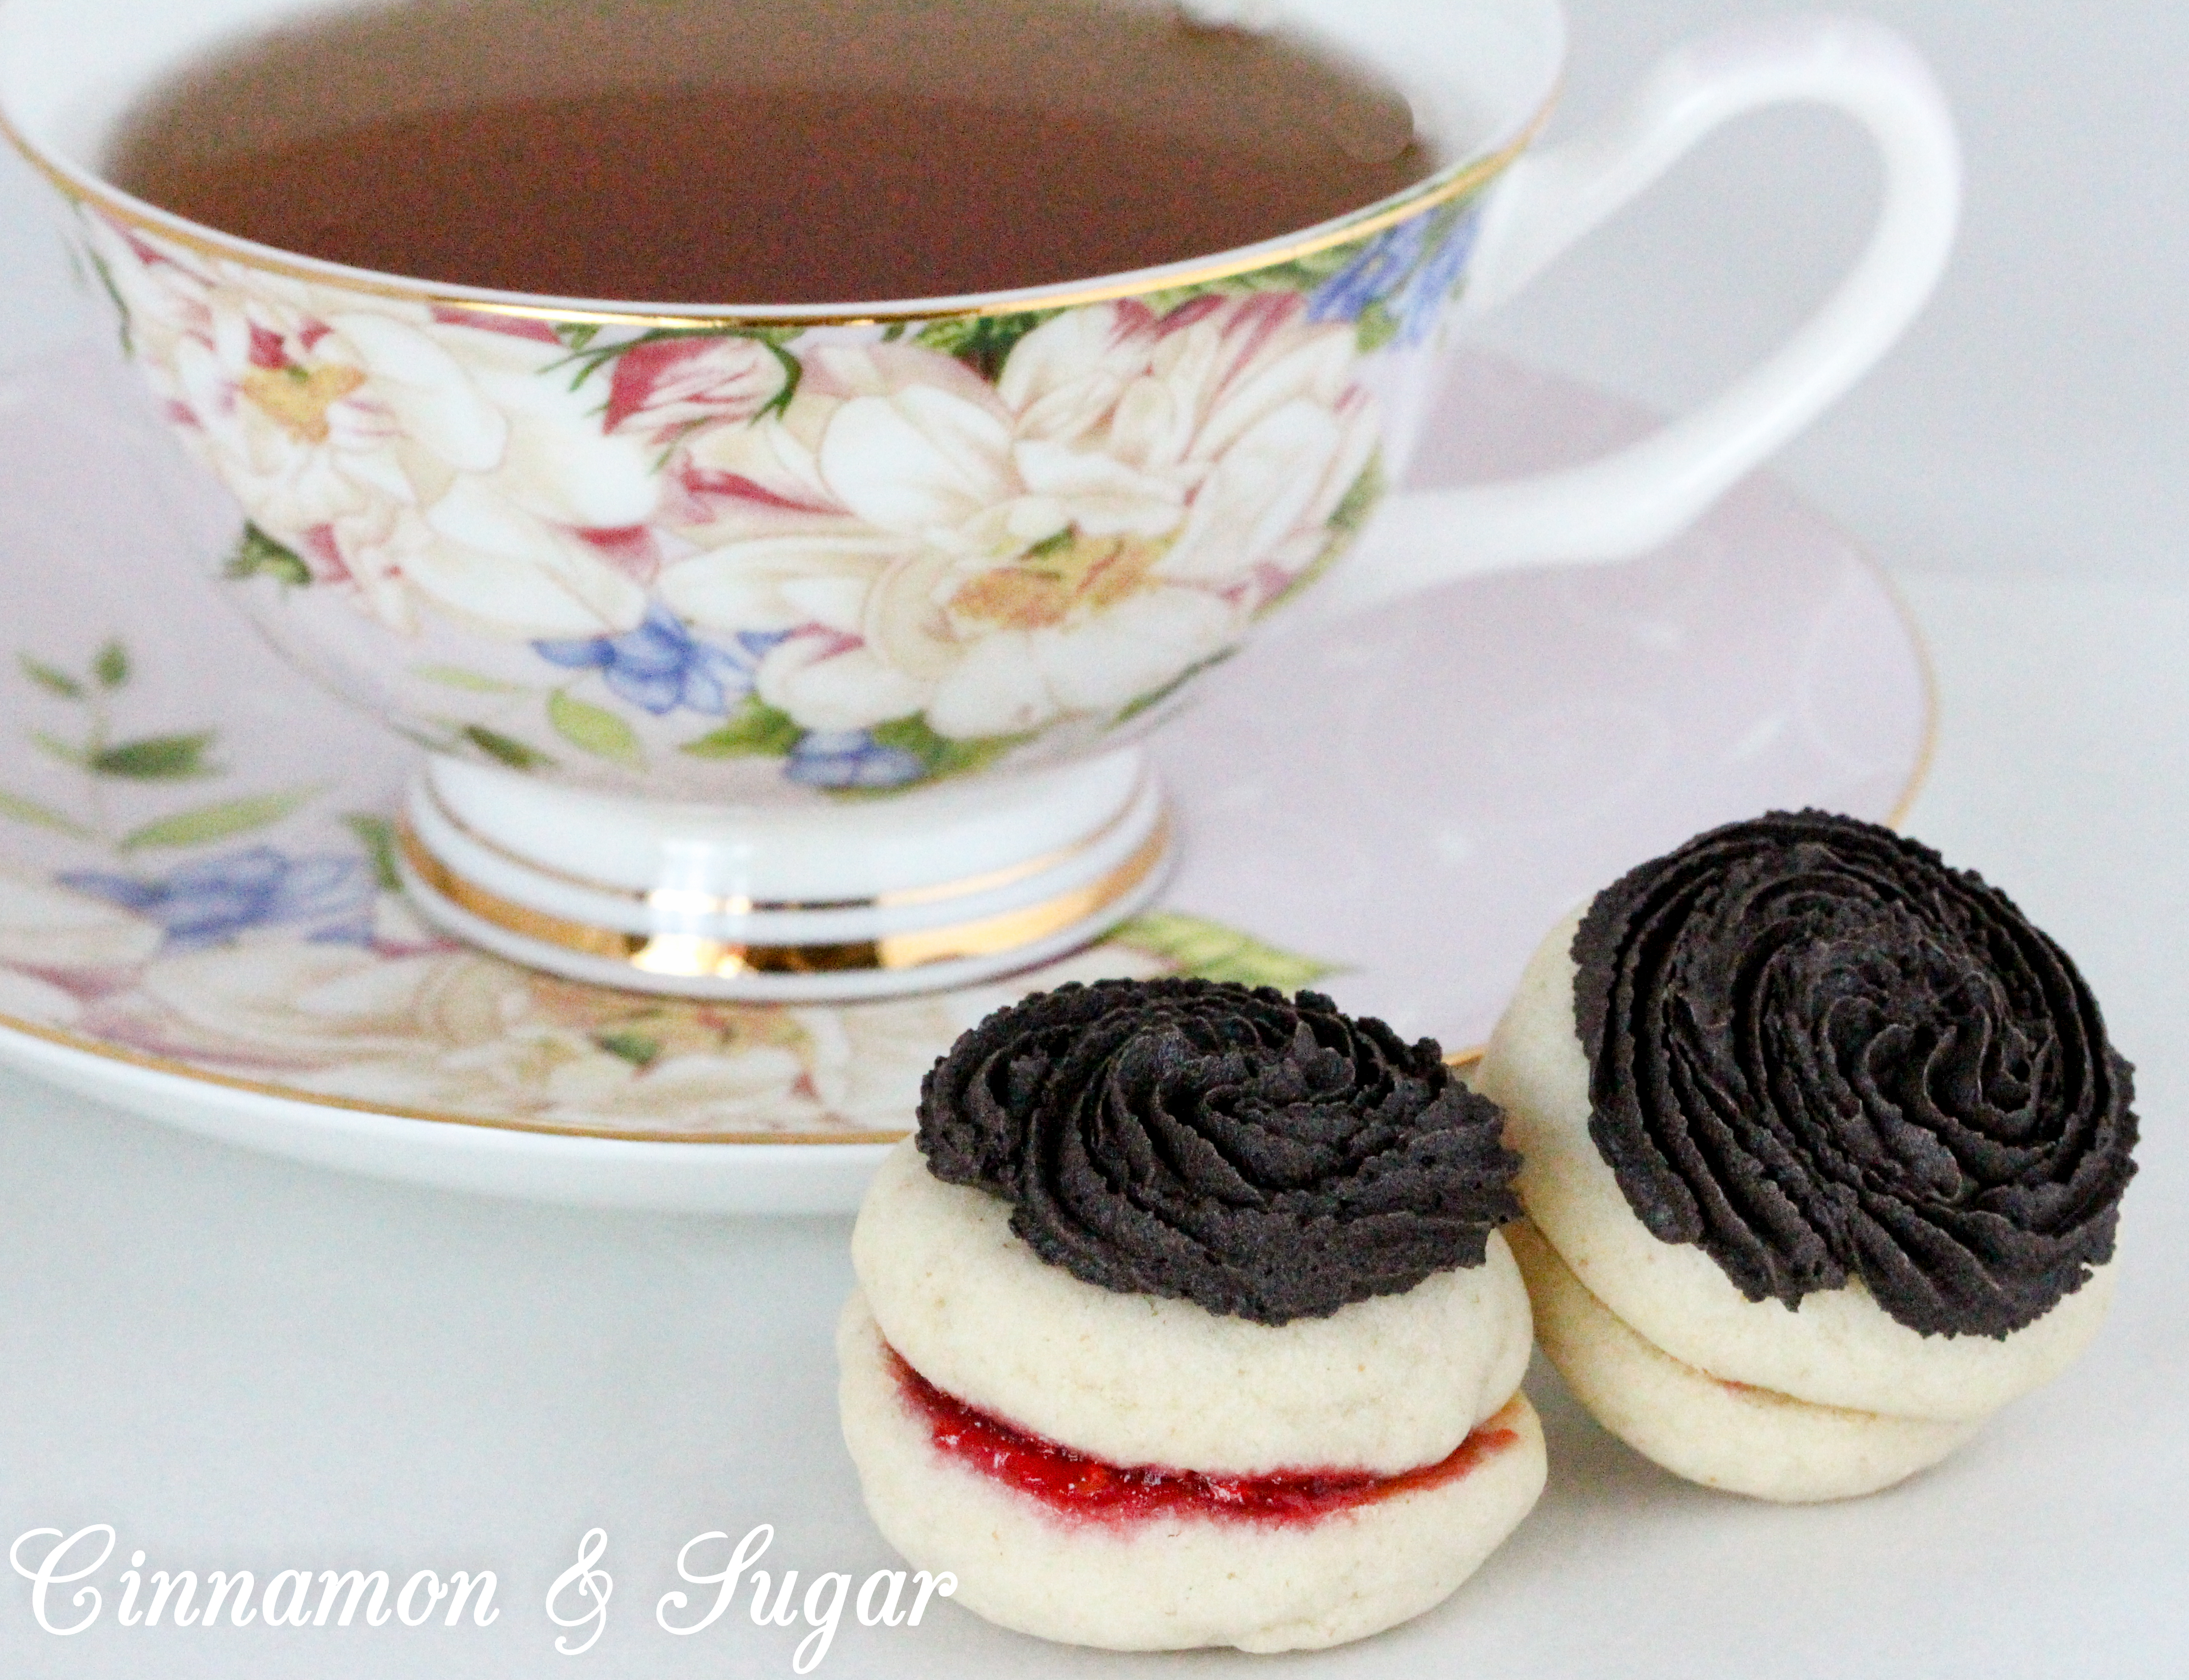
x: 1185, y: 1321
x: 1825, y: 1148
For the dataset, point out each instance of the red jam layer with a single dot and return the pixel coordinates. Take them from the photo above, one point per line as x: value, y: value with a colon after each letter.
x: 1077, y: 1485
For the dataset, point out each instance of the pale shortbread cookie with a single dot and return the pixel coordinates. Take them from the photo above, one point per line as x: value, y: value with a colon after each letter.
x: 1722, y: 1434
x: 1385, y: 1384
x: 1838, y: 1348
x: 1170, y: 1583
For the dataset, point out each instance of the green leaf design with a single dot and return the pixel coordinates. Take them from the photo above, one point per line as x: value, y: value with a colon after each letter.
x: 53, y: 747
x: 1207, y: 950
x: 211, y: 823
x: 112, y: 665
x: 471, y: 682
x: 595, y: 730
x: 426, y: 738
x: 50, y: 678
x: 113, y: 297
x: 794, y: 371
x: 941, y: 755
x: 18, y: 809
x: 1308, y: 272
x: 1149, y: 702
x: 503, y: 750
x: 1362, y: 500
x: 1303, y: 274
x: 983, y: 343
x: 1376, y: 327
x: 635, y: 1048
x: 755, y: 730
x: 156, y: 758
x: 577, y: 337
x: 257, y: 555
x: 377, y: 834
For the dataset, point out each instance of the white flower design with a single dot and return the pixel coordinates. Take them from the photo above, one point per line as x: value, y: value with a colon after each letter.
x: 417, y: 455
x: 440, y: 1029
x: 49, y: 934
x: 51, y: 927
x: 1108, y: 514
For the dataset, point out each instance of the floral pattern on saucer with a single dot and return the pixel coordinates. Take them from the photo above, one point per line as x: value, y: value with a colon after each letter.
x: 205, y: 937
x: 842, y: 558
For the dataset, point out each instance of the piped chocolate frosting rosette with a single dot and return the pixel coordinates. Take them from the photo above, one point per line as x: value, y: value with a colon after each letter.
x: 1185, y: 1320
x: 1259, y: 1156
x: 1825, y: 1151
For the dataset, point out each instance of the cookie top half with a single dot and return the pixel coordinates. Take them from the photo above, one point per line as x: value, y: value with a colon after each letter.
x: 1819, y: 1055
x: 1262, y: 1156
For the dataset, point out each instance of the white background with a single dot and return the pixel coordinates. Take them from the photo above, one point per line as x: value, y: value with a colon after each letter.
x: 243, y: 1364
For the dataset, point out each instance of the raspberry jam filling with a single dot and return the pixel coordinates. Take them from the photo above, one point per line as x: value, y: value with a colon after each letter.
x: 1077, y: 1485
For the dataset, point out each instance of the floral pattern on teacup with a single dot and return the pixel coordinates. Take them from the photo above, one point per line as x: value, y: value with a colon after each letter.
x: 873, y: 555
x: 1111, y: 512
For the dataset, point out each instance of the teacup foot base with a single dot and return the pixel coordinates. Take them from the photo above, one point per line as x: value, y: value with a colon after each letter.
x: 876, y: 939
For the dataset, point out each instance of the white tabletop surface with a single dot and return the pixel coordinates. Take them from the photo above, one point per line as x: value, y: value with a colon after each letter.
x: 243, y: 1364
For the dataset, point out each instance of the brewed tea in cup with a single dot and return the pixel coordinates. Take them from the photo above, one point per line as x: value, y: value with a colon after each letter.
x: 799, y: 151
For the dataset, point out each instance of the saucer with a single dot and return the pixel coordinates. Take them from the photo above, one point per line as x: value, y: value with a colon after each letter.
x: 199, y: 921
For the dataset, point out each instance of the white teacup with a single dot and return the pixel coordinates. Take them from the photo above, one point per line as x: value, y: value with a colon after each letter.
x: 799, y: 652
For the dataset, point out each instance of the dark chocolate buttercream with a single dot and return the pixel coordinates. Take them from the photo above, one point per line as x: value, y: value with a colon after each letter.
x: 1817, y: 1053
x: 1261, y: 1156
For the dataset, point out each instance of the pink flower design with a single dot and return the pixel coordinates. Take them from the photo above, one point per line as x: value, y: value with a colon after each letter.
x: 492, y: 320
x: 670, y: 386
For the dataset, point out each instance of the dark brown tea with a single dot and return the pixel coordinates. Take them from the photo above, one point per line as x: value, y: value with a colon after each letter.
x: 765, y: 151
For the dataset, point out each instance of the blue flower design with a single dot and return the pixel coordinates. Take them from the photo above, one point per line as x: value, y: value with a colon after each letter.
x: 850, y: 758
x: 1381, y: 268
x: 661, y: 665
x: 209, y: 903
x: 1410, y: 270
x: 1421, y: 300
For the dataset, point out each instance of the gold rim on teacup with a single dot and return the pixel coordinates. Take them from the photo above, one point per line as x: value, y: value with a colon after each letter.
x: 1443, y: 187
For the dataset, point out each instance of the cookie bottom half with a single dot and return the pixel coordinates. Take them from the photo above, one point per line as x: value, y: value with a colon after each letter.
x: 1838, y: 1349
x: 1177, y: 1579
x: 1722, y: 1434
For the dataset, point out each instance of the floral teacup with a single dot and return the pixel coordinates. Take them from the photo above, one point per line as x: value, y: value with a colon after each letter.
x: 800, y: 652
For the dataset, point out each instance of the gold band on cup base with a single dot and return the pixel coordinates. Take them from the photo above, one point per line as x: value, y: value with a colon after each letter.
x: 675, y: 956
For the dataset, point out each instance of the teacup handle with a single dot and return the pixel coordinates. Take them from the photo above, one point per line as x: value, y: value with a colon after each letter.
x: 1637, y: 498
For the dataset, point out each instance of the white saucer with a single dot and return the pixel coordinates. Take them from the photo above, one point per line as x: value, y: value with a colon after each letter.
x: 194, y: 923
